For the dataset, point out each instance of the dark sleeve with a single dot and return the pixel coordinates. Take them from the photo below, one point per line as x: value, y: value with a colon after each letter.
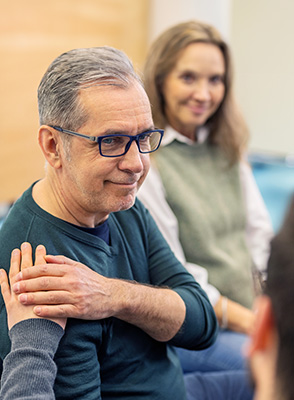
x: 29, y: 370
x: 199, y: 329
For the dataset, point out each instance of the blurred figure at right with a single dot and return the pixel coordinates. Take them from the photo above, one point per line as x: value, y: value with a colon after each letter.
x: 200, y: 189
x: 271, y: 349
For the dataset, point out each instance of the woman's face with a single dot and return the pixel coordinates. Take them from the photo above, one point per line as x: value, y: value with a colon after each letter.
x: 194, y: 88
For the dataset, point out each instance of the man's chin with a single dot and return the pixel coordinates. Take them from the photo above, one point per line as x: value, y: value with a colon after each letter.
x: 126, y: 203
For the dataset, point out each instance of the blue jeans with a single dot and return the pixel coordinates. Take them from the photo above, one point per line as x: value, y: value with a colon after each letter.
x: 225, y: 385
x: 225, y: 354
x: 219, y: 372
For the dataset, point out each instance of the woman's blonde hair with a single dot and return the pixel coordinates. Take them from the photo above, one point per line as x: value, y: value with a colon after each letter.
x: 227, y: 126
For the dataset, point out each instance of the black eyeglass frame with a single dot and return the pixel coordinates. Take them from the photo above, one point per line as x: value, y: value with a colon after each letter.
x: 98, y: 139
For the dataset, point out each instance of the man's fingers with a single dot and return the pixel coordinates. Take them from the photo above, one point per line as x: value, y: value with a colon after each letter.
x: 59, y: 260
x: 40, y: 255
x: 59, y: 311
x: 53, y: 270
x: 42, y: 283
x: 55, y: 297
x: 26, y: 255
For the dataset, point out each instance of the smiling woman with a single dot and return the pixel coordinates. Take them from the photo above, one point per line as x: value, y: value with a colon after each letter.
x: 195, y: 88
x: 200, y: 189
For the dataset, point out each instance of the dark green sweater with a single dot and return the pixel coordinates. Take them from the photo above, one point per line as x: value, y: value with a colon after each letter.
x: 205, y: 196
x: 110, y: 358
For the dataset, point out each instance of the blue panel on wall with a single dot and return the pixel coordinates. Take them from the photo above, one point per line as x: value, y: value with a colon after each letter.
x: 275, y: 179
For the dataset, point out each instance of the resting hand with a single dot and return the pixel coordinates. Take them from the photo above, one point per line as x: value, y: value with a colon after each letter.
x: 64, y: 287
x: 21, y: 260
x: 239, y: 318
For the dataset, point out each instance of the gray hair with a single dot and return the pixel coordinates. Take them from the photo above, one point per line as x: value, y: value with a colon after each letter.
x: 58, y: 92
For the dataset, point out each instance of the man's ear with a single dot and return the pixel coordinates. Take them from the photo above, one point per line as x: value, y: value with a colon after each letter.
x: 264, y: 332
x: 50, y: 144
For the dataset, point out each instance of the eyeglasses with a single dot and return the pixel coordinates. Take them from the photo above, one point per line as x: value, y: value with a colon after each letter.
x: 118, y: 145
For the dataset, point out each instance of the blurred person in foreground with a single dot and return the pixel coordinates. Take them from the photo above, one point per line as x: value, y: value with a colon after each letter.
x: 127, y: 299
x: 200, y: 189
x: 271, y: 351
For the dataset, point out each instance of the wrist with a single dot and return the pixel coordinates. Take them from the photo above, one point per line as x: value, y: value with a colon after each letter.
x: 224, y: 316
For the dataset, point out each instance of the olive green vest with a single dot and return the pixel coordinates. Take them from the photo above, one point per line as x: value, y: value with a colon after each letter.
x: 205, y: 195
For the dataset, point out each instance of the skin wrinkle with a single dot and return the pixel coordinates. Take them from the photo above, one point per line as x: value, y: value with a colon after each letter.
x: 128, y: 116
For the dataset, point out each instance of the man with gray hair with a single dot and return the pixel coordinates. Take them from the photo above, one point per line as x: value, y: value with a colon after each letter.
x: 126, y: 298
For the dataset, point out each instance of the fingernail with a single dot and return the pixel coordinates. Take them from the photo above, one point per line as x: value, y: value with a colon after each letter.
x: 23, y: 298
x: 15, y: 287
x: 37, y: 310
x: 18, y: 277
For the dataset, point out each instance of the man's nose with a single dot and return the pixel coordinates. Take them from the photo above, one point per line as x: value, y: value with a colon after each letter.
x: 132, y: 160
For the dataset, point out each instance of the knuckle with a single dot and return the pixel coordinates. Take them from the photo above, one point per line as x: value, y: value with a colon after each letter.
x: 31, y: 299
x: 22, y: 287
x: 74, y: 273
x: 82, y: 307
x: 75, y: 285
x: 44, y: 283
x: 43, y: 269
x: 52, y: 298
x: 61, y: 312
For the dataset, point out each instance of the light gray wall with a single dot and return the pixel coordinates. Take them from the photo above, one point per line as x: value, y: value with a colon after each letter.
x: 165, y: 13
x: 262, y: 34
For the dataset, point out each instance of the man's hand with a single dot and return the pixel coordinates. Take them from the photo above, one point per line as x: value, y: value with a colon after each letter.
x: 21, y: 260
x: 66, y: 288
x: 63, y: 287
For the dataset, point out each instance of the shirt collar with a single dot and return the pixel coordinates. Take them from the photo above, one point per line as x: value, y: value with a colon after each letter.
x: 170, y: 134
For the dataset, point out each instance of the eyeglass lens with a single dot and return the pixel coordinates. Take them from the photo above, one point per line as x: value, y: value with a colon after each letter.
x: 116, y: 145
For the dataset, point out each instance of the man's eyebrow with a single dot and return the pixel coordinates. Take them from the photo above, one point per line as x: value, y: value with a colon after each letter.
x: 124, y: 132
x: 151, y: 128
